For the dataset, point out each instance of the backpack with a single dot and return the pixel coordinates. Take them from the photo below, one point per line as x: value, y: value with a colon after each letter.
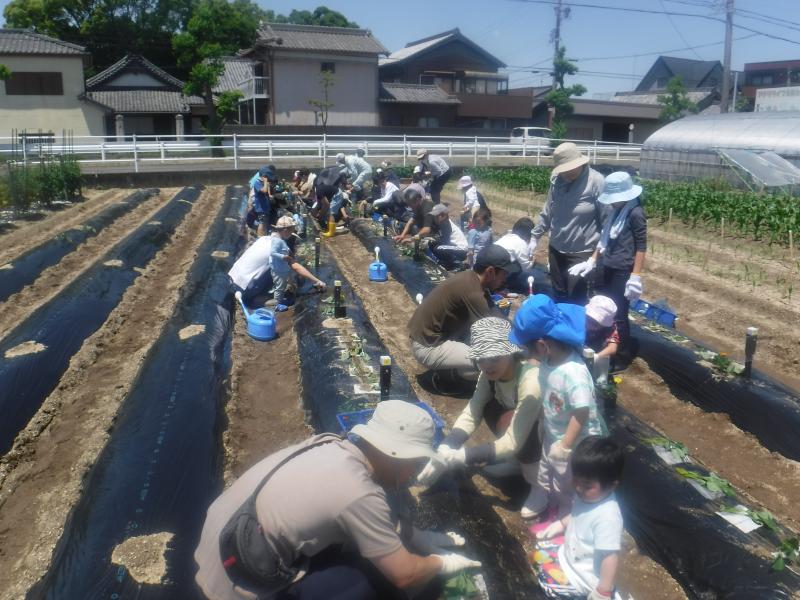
x: 247, y: 557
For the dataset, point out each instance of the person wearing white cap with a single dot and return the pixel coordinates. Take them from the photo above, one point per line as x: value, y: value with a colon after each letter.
x: 439, y: 171
x: 269, y: 262
x: 573, y: 218
x: 361, y: 150
x: 620, y: 252
x: 601, y: 331
x: 473, y: 199
x: 314, y: 520
x: 508, y: 399
x: 449, y: 245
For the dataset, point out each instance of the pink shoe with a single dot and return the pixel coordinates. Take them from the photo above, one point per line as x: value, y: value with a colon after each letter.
x: 547, y: 518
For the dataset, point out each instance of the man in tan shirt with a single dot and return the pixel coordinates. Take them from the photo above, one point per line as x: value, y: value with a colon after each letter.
x: 322, y: 509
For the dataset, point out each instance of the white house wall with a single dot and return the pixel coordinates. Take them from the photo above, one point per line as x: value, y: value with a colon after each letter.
x: 354, y: 94
x: 49, y: 113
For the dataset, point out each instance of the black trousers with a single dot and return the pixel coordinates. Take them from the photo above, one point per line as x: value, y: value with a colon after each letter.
x: 567, y: 288
x: 611, y: 282
x: 437, y: 184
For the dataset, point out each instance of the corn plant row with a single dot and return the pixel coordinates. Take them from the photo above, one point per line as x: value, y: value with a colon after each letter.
x: 21, y: 186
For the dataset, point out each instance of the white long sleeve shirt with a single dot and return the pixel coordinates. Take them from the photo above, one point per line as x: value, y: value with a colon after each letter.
x: 518, y: 249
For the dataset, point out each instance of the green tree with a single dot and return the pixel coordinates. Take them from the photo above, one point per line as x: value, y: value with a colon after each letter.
x: 5, y: 73
x: 321, y: 107
x: 676, y: 101
x: 107, y: 28
x: 216, y: 28
x: 322, y: 15
x: 559, y: 97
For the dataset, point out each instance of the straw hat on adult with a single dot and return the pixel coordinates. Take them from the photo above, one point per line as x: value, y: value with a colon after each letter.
x: 399, y: 429
x: 422, y: 153
x: 566, y: 157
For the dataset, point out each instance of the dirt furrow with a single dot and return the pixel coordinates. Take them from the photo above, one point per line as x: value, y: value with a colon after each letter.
x: 264, y: 412
x: 41, y: 477
x: 54, y: 279
x: 769, y: 479
x: 24, y: 234
x: 390, y: 308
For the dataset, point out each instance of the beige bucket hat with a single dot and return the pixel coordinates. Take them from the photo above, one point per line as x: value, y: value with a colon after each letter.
x: 399, y: 429
x: 566, y: 157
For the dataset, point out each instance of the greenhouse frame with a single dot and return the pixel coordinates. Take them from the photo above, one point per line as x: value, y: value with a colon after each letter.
x: 737, y: 147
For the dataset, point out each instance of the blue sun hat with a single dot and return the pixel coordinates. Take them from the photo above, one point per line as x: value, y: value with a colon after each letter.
x: 540, y: 317
x: 619, y: 187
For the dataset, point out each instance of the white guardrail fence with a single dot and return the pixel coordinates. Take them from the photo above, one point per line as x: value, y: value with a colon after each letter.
x: 139, y: 151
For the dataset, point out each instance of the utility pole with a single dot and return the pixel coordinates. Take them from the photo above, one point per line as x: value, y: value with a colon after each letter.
x: 726, y: 64
x: 556, y: 39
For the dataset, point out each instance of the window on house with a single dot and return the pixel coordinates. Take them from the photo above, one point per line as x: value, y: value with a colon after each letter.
x: 428, y: 122
x: 35, y: 84
x: 470, y: 86
x: 764, y: 79
x: 329, y: 67
x: 426, y: 79
x: 458, y: 84
x: 480, y: 86
x: 502, y: 87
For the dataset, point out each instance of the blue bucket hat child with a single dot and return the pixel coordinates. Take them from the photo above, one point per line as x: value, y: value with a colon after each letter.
x: 539, y: 317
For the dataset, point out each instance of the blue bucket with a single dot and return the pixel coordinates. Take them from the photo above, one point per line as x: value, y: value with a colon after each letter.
x: 348, y: 420
x: 261, y: 325
x: 377, y: 217
x: 378, y: 272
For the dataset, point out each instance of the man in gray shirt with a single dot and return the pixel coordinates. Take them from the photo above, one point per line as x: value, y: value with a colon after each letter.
x: 573, y: 218
x: 438, y: 169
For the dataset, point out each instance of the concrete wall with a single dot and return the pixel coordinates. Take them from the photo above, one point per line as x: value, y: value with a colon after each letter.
x: 50, y: 113
x: 354, y: 94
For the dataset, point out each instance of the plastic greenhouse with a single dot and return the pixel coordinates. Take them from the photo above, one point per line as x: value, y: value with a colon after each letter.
x: 756, y: 150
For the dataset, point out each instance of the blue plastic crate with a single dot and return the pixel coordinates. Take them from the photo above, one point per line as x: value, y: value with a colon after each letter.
x: 348, y: 420
x: 655, y: 313
x: 377, y: 217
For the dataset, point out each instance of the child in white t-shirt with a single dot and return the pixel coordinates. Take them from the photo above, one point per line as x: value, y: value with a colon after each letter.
x: 593, y: 530
x: 553, y: 334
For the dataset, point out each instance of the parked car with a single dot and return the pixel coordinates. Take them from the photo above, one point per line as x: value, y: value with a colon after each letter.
x: 532, y: 137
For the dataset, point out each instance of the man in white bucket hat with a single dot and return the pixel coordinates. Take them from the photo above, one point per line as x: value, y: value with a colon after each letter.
x: 620, y: 252
x: 573, y: 219
x: 319, y: 519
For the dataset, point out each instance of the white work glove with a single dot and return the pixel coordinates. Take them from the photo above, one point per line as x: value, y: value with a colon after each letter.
x: 582, y: 269
x: 555, y: 529
x: 452, y: 458
x: 595, y: 595
x: 559, y: 453
x: 431, y: 473
x: 633, y: 288
x: 433, y: 542
x: 453, y: 563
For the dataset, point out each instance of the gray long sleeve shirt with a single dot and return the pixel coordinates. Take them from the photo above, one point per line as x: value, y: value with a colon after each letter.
x: 572, y: 214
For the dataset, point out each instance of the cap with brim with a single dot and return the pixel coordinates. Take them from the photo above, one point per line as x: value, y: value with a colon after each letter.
x: 567, y: 156
x: 438, y: 210
x: 540, y: 317
x: 602, y: 309
x: 497, y: 257
x: 464, y: 182
x: 267, y: 172
x: 619, y: 187
x: 400, y: 430
x: 285, y: 222
x: 421, y: 153
x: 489, y: 339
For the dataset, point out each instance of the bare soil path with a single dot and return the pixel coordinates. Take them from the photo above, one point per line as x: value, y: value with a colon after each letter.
x: 21, y: 235
x: 390, y: 308
x: 54, y: 279
x: 41, y: 476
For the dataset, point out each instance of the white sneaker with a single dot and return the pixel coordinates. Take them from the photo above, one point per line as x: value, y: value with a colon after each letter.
x: 536, y: 502
x: 504, y: 468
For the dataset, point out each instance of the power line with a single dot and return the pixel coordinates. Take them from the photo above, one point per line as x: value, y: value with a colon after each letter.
x: 661, y: 12
x: 744, y: 37
x: 679, y: 32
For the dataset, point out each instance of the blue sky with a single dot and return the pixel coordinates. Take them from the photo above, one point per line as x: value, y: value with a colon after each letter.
x: 518, y: 32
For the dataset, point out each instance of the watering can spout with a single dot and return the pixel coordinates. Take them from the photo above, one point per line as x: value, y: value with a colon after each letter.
x: 238, y: 296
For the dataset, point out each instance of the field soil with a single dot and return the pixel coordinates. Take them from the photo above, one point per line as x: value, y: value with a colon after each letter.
x: 265, y: 411
x: 41, y: 476
x: 390, y: 308
x: 30, y: 230
x: 55, y: 278
x: 718, y: 287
